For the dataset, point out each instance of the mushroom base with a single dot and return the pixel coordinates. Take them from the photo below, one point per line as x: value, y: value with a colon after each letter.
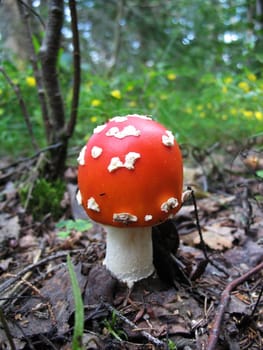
x: 129, y: 253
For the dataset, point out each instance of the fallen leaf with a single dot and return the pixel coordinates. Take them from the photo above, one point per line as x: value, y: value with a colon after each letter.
x: 4, y: 264
x: 216, y: 237
x: 28, y: 241
x: 9, y: 227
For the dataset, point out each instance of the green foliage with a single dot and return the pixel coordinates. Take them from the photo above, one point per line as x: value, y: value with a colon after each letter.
x: 171, y: 345
x: 43, y: 198
x: 260, y: 173
x: 69, y: 225
x: 79, y: 308
x: 112, y: 327
x: 199, y: 109
x: 204, y: 82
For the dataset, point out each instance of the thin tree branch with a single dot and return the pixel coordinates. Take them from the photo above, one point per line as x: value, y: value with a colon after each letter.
x: 202, y: 241
x: 23, y: 108
x: 158, y: 343
x: 117, y: 37
x: 8, y: 283
x: 29, y: 8
x: 24, y: 8
x: 76, y: 68
x: 214, y: 334
x: 7, y: 330
x: 28, y: 159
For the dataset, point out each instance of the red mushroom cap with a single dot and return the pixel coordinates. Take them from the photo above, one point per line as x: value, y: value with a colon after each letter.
x: 131, y: 173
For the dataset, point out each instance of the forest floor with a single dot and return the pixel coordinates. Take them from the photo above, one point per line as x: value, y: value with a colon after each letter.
x: 209, y: 291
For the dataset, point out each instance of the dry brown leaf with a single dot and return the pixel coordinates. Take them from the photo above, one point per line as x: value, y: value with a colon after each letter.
x: 9, y: 227
x: 217, y: 237
x: 28, y: 241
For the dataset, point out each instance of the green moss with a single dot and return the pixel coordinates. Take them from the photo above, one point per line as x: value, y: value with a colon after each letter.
x: 45, y: 198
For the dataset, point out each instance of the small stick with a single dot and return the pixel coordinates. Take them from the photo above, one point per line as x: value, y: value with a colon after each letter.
x: 76, y: 68
x: 35, y: 155
x: 257, y: 302
x: 147, y: 335
x: 6, y: 285
x: 214, y: 334
x: 7, y: 330
x: 33, y: 12
x: 202, y: 241
x: 23, y: 108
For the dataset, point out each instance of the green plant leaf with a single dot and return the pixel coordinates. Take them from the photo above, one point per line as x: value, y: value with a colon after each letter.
x: 63, y: 234
x: 79, y: 308
x: 260, y: 173
x: 78, y: 225
x: 82, y: 225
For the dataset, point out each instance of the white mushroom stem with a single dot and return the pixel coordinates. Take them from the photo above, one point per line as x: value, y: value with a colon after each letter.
x: 129, y: 253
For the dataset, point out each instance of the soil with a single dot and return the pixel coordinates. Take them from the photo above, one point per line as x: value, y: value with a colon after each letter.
x: 207, y: 289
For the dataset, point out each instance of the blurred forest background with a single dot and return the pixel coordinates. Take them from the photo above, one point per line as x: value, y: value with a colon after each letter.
x: 67, y: 66
x: 195, y: 66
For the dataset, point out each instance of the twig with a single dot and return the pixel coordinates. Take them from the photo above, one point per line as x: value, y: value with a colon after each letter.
x: 25, y: 8
x: 47, y: 342
x: 32, y: 178
x: 116, y: 37
x: 23, y: 107
x: 7, y: 330
x: 33, y: 12
x: 6, y: 285
x: 257, y: 302
x: 27, y: 159
x: 160, y: 344
x: 23, y: 278
x: 214, y: 334
x: 202, y: 241
x: 76, y: 68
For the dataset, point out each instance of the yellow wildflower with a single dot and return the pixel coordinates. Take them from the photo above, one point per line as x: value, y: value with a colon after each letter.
x: 244, y: 86
x: 224, y: 117
x: 163, y: 97
x: 200, y: 107
x: 152, y: 74
x: 224, y: 89
x: 94, y: 119
x: 95, y: 103
x: 228, y: 80
x: 259, y: 115
x: 248, y: 114
x: 189, y: 110
x: 116, y: 94
x: 31, y: 81
x: 233, y: 111
x: 132, y: 104
x: 171, y: 76
x: 130, y: 87
x: 251, y: 77
x: 1, y: 91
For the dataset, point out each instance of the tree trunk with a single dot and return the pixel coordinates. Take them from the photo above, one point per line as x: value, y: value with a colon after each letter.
x: 48, y: 56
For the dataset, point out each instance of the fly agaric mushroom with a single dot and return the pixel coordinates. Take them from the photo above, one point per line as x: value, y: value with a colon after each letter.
x: 130, y: 178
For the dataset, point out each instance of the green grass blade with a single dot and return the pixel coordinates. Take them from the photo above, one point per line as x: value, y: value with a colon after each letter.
x: 79, y: 308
